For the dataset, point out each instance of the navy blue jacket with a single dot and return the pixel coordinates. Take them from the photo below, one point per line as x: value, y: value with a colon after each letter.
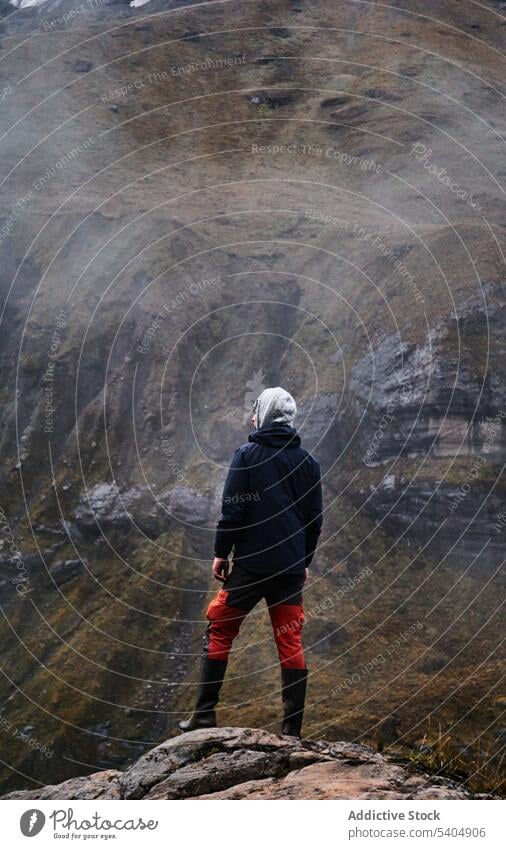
x: 272, y: 504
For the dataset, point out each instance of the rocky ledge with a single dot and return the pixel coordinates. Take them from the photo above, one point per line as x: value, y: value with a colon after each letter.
x: 249, y: 763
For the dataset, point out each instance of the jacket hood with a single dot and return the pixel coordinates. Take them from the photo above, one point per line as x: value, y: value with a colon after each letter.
x: 276, y: 436
x: 275, y: 406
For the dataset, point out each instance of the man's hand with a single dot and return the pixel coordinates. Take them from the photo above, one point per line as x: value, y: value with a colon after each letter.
x: 220, y: 569
x: 306, y: 573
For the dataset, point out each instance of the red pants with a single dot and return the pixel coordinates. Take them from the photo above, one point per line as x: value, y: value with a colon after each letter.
x: 241, y: 592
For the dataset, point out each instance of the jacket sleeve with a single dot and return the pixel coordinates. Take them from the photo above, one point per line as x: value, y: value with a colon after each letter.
x: 233, y: 507
x: 314, y: 516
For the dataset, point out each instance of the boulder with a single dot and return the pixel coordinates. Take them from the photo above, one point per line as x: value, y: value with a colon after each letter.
x: 249, y: 763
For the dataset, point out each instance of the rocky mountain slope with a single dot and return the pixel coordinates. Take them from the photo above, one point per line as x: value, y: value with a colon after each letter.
x: 197, y: 202
x: 247, y: 763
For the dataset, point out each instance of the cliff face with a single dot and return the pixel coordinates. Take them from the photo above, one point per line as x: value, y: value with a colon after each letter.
x: 198, y: 203
x: 440, y: 406
x: 247, y: 763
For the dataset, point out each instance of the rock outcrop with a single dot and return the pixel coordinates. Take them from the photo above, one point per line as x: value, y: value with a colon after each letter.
x: 248, y: 763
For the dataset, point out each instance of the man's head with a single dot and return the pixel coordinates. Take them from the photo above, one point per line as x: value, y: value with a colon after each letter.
x: 275, y: 406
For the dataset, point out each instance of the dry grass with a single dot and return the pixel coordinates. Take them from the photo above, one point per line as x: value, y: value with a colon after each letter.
x: 482, y: 773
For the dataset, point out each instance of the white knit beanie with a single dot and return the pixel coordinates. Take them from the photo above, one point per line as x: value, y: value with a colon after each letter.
x: 275, y: 406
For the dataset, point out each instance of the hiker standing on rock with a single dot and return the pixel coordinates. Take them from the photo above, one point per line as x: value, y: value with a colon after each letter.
x: 271, y: 517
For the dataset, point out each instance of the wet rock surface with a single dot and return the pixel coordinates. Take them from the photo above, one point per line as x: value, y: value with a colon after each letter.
x: 248, y: 763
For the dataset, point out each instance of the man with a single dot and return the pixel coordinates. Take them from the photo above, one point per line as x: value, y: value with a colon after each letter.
x: 271, y: 517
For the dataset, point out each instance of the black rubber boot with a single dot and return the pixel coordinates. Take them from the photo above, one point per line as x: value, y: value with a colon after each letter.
x: 212, y: 674
x: 294, y: 683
